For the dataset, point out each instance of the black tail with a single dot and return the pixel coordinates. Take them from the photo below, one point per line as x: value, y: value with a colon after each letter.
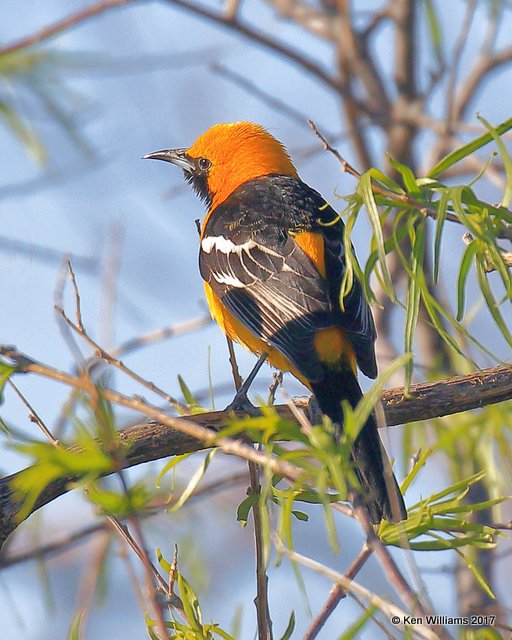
x: 381, y: 492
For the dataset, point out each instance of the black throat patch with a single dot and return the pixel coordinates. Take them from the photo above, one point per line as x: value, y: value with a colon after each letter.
x: 199, y: 182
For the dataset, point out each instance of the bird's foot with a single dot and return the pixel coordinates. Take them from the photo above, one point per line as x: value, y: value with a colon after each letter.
x: 314, y: 412
x: 242, y: 403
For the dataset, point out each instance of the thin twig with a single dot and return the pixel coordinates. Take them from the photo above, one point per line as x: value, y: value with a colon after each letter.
x: 489, y: 265
x: 165, y: 435
x: 33, y: 415
x: 151, y: 573
x: 261, y: 600
x: 260, y: 38
x: 45, y: 254
x: 399, y: 199
x: 78, y: 307
x: 389, y: 609
x: 88, y: 585
x: 242, y: 82
x: 80, y: 536
x: 480, y: 73
x: 338, y: 592
x: 451, y: 85
x: 158, y: 335
x: 65, y: 24
x: 393, y: 573
x: 104, y: 355
x: 237, y: 378
x: 149, y: 569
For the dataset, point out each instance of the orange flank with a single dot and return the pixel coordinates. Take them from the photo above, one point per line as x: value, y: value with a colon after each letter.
x: 334, y: 348
x: 313, y: 246
x: 235, y: 330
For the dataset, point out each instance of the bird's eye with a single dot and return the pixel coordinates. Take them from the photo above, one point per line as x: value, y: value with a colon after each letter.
x: 204, y: 164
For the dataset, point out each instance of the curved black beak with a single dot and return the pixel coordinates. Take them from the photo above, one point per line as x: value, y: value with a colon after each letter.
x: 179, y: 157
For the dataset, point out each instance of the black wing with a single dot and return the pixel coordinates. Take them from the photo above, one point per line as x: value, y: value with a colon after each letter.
x: 250, y: 260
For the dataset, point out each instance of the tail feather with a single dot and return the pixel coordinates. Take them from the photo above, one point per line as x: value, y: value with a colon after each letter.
x: 380, y: 489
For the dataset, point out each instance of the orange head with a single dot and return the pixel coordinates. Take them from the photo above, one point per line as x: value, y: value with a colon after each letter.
x: 226, y: 156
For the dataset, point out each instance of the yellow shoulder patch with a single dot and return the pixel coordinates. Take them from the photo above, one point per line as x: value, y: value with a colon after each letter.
x: 313, y: 246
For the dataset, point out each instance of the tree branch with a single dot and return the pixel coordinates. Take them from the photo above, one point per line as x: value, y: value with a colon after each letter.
x: 166, y: 436
x: 63, y: 25
x: 260, y: 38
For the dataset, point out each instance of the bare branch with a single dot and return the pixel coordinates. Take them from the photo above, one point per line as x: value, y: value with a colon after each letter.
x: 104, y: 355
x: 173, y: 330
x: 63, y: 543
x: 262, y: 39
x: 33, y: 415
x: 489, y: 265
x: 165, y: 435
x: 454, y: 66
x: 390, y: 610
x: 63, y: 25
x: 317, y: 22
x: 390, y: 568
x: 481, y: 72
x: 338, y: 592
x: 261, y: 600
x: 401, y: 199
x: 241, y: 81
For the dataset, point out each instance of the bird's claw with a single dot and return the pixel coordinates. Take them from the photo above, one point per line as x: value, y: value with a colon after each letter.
x: 242, y: 403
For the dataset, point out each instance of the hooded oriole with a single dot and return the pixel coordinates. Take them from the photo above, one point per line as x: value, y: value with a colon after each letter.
x: 272, y: 258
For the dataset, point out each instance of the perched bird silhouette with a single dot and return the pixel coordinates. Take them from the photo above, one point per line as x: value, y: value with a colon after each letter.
x: 272, y: 259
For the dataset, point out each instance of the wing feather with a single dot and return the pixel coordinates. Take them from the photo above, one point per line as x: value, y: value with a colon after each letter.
x: 268, y: 282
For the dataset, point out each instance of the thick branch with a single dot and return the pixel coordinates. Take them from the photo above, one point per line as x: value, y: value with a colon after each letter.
x: 151, y: 440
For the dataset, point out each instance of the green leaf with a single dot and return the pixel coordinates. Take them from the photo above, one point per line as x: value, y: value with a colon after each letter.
x: 6, y: 371
x: 244, y: 508
x: 478, y: 575
x: 194, y: 480
x: 466, y: 150
x: 187, y: 394
x: 25, y: 134
x: 507, y: 161
x: 434, y: 29
x: 4, y: 428
x: 420, y: 463
x: 190, y: 605
x: 170, y: 464
x: 412, y: 304
x: 355, y: 628
x: 290, y: 628
x: 366, y: 191
x: 165, y: 564
x: 118, y: 504
x: 372, y: 396
x: 76, y: 625
x: 386, y: 181
x: 408, y: 176
x: 441, y: 217
x: 465, y: 265
x: 491, y: 302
